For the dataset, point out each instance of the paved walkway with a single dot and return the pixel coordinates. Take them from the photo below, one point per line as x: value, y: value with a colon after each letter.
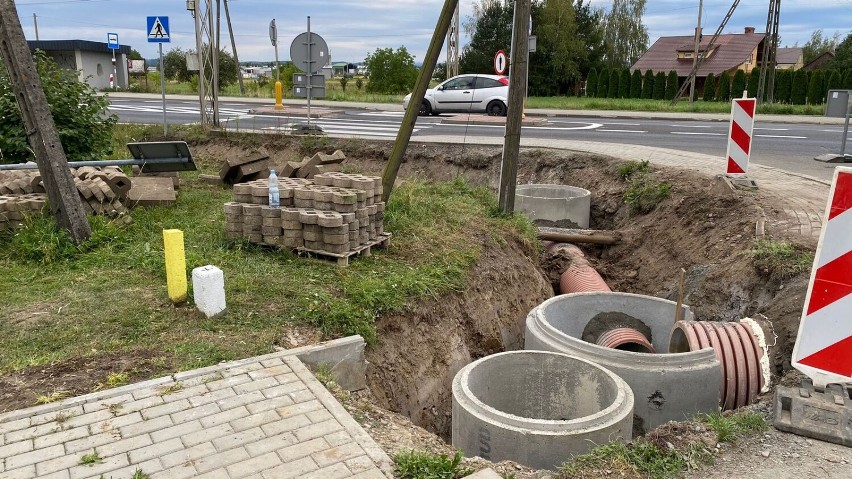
x: 261, y: 418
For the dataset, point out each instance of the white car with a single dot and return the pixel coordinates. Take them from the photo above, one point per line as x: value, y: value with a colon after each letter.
x: 466, y: 94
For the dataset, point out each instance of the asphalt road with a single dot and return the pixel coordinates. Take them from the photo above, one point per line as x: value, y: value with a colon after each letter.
x: 788, y: 146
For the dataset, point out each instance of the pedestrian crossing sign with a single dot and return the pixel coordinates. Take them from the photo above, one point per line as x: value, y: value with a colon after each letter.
x: 158, y: 30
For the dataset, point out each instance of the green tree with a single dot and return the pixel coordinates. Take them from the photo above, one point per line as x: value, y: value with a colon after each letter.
x: 174, y: 64
x: 636, y: 84
x: 753, y: 82
x: 710, y: 87
x: 81, y: 116
x: 818, y: 44
x: 286, y: 70
x: 592, y: 83
x: 672, y: 85
x: 614, y: 81
x: 738, y: 84
x: 390, y: 71
x: 847, y: 79
x: 659, y: 86
x: 799, y: 89
x: 554, y: 66
x: 834, y: 81
x: 134, y: 55
x: 783, y: 84
x: 590, y: 34
x: 344, y: 80
x: 440, y: 73
x: 816, y: 88
x: 489, y: 29
x: 724, y: 87
x: 624, y: 83
x: 648, y: 85
x: 603, y: 84
x: 842, y: 55
x: 625, y: 34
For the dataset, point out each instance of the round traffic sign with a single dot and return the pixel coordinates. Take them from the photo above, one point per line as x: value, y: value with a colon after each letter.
x: 501, y: 62
x: 318, y: 52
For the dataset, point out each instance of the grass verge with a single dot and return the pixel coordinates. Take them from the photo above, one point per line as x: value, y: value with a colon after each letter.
x: 425, y: 465
x: 781, y: 259
x: 622, y: 104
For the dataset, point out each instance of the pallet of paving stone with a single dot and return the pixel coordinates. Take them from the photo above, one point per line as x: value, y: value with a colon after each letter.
x: 383, y: 241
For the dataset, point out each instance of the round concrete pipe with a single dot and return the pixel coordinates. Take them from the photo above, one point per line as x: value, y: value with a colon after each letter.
x: 736, y: 348
x: 537, y: 408
x: 626, y: 339
x: 667, y: 386
x: 554, y: 203
x: 580, y: 277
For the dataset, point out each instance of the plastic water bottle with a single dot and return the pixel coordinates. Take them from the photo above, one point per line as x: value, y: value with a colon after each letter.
x: 274, y: 198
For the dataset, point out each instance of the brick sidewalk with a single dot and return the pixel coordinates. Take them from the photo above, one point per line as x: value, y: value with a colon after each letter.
x: 261, y: 418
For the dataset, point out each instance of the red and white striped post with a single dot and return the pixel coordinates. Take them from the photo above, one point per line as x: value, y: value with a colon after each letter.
x: 823, y: 349
x: 740, y: 134
x: 111, y: 80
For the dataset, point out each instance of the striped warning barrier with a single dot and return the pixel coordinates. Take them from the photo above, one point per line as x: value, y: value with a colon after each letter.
x: 823, y: 348
x: 740, y: 134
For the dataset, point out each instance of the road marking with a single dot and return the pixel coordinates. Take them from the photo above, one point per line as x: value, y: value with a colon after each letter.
x: 773, y: 129
x: 624, y: 124
x: 696, y: 133
x: 784, y: 136
x: 623, y: 131
x: 833, y: 131
x: 383, y: 113
x: 692, y: 126
x: 586, y: 126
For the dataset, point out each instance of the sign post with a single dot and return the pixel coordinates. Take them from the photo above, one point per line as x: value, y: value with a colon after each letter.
x: 158, y: 32
x: 309, y: 52
x: 740, y: 135
x: 112, y: 43
x: 273, y: 37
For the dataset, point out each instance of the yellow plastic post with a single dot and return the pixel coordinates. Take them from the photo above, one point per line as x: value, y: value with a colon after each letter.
x: 175, y: 265
x: 278, y: 96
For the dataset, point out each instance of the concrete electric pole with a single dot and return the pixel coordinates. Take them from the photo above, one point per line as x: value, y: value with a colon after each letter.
x: 453, y: 46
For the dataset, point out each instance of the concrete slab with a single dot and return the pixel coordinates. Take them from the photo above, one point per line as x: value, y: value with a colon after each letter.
x: 151, y: 191
x: 264, y: 417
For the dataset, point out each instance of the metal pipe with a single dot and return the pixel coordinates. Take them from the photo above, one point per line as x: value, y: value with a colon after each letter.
x: 79, y: 164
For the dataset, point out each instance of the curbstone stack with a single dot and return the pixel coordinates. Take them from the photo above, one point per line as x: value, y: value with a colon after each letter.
x: 321, y: 216
x: 13, y: 209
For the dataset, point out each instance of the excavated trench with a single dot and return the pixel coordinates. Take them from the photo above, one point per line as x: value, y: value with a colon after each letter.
x: 701, y: 228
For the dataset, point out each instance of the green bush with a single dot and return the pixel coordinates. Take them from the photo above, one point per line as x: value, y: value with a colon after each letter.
x: 738, y: 84
x: 710, y: 88
x: 648, y: 85
x: 636, y: 84
x: 603, y: 83
x: 799, y: 88
x: 847, y: 80
x: 645, y: 194
x: 81, y: 116
x: 672, y: 85
x: 624, y: 84
x: 659, y: 86
x: 424, y: 465
x: 834, y: 81
x: 816, y: 88
x: 592, y: 83
x: 783, y: 85
x: 391, y: 71
x: 614, y: 81
x: 753, y: 82
x: 724, y: 87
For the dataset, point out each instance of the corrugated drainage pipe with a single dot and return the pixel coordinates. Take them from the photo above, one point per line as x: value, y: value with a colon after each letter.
x: 580, y: 277
x: 736, y: 348
x: 626, y: 339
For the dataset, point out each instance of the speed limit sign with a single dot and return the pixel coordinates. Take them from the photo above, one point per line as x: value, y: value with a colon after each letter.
x: 501, y: 62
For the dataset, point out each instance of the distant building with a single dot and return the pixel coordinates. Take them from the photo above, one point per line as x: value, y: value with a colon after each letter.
x: 92, y: 60
x: 790, y: 58
x: 819, y: 62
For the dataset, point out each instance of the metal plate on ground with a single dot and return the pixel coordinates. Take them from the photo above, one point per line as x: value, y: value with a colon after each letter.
x: 824, y: 415
x: 161, y: 156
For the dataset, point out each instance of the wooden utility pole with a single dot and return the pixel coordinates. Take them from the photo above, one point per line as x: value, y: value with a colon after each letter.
x: 234, y: 48
x: 423, y: 79
x: 517, y: 90
x: 41, y: 131
x: 697, y: 52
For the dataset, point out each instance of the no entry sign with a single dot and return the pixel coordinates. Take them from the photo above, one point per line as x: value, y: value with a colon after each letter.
x: 501, y: 62
x: 823, y: 348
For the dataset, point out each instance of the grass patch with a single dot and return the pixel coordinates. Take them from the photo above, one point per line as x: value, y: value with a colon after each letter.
x: 55, y: 396
x: 424, y: 465
x: 638, y: 458
x: 109, y: 295
x: 91, y: 459
x: 631, y: 168
x: 585, y: 103
x: 140, y: 474
x: 178, y: 386
x: 732, y: 427
x: 644, y: 194
x: 781, y: 259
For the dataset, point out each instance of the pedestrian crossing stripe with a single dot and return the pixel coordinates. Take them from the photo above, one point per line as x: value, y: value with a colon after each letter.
x: 158, y: 31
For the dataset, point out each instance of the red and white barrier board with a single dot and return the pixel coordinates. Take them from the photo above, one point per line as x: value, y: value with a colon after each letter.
x: 740, y: 134
x: 823, y: 348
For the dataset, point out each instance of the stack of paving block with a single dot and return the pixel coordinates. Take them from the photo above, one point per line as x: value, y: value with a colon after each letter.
x: 14, y: 208
x: 314, y: 217
x: 20, y: 182
x: 318, y: 164
x: 102, y: 189
x: 247, y: 168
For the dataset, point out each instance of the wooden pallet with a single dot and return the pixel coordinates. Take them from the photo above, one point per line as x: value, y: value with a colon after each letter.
x: 383, y: 241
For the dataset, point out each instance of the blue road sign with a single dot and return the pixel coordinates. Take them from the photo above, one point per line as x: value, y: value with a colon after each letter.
x: 112, y: 41
x: 158, y: 30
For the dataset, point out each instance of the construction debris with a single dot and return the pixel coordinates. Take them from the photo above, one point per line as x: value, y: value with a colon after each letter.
x: 256, y: 166
x: 15, y: 208
x: 151, y: 191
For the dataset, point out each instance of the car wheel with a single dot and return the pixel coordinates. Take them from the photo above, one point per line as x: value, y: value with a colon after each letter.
x: 425, y: 109
x: 496, y: 108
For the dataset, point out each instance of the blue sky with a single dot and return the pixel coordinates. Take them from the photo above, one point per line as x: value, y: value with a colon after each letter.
x: 354, y: 27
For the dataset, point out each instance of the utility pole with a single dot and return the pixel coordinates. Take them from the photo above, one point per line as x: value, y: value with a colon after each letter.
x: 423, y: 79
x: 35, y: 24
x: 695, y: 57
x: 208, y: 65
x: 452, y: 44
x: 234, y: 48
x: 769, y: 60
x: 517, y: 90
x: 41, y: 131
